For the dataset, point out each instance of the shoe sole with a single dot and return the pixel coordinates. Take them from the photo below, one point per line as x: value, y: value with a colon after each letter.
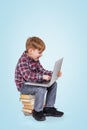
x: 39, y: 119
x: 54, y: 115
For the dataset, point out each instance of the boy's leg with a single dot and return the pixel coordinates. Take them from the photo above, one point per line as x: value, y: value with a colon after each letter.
x: 51, y: 95
x: 39, y: 93
x: 49, y: 109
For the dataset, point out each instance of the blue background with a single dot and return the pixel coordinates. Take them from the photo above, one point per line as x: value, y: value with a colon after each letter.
x: 62, y: 24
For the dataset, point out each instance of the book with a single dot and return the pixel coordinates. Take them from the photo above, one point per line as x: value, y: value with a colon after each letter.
x: 27, y: 111
x: 24, y: 96
x: 27, y: 103
x: 29, y: 107
x: 27, y: 114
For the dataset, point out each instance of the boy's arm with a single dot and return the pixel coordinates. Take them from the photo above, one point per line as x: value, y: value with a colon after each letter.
x: 27, y: 74
x: 44, y: 71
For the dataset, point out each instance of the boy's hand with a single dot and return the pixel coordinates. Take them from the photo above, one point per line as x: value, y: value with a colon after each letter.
x: 59, y: 74
x: 46, y: 77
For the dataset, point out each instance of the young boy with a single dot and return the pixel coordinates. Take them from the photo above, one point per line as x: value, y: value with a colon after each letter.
x: 29, y: 69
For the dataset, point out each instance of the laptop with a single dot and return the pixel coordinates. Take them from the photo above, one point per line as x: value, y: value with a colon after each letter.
x: 57, y: 68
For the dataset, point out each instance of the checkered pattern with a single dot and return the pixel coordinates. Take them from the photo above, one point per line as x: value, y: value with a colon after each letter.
x: 28, y: 70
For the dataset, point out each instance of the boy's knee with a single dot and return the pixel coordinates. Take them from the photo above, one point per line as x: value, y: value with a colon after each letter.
x: 41, y: 90
x: 55, y: 83
x: 54, y: 86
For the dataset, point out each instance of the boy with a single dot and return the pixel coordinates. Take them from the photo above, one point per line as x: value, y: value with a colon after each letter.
x: 29, y: 69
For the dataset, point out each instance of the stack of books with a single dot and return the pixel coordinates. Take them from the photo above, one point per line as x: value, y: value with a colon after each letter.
x: 28, y: 103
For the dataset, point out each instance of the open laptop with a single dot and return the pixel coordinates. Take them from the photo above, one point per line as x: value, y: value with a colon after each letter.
x: 57, y: 68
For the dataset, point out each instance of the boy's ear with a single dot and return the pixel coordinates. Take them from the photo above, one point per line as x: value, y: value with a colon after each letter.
x: 30, y: 50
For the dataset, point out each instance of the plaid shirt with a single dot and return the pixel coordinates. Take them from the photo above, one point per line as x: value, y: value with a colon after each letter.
x: 28, y: 70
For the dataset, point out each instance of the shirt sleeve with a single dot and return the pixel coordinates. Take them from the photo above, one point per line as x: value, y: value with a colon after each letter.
x: 27, y: 74
x: 44, y: 71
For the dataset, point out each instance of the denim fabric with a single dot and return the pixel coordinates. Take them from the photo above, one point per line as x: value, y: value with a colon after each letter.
x: 40, y: 93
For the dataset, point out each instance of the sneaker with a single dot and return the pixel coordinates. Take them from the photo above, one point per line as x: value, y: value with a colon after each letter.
x: 52, y: 111
x: 39, y: 116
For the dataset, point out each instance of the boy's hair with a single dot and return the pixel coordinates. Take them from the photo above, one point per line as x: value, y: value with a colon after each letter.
x: 35, y: 43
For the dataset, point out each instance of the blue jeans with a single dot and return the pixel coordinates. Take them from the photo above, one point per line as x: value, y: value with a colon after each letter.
x: 40, y: 93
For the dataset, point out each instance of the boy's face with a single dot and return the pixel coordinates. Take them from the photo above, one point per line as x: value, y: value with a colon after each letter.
x: 34, y: 54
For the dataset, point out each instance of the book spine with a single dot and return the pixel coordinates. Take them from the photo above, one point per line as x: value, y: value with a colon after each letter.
x: 27, y: 111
